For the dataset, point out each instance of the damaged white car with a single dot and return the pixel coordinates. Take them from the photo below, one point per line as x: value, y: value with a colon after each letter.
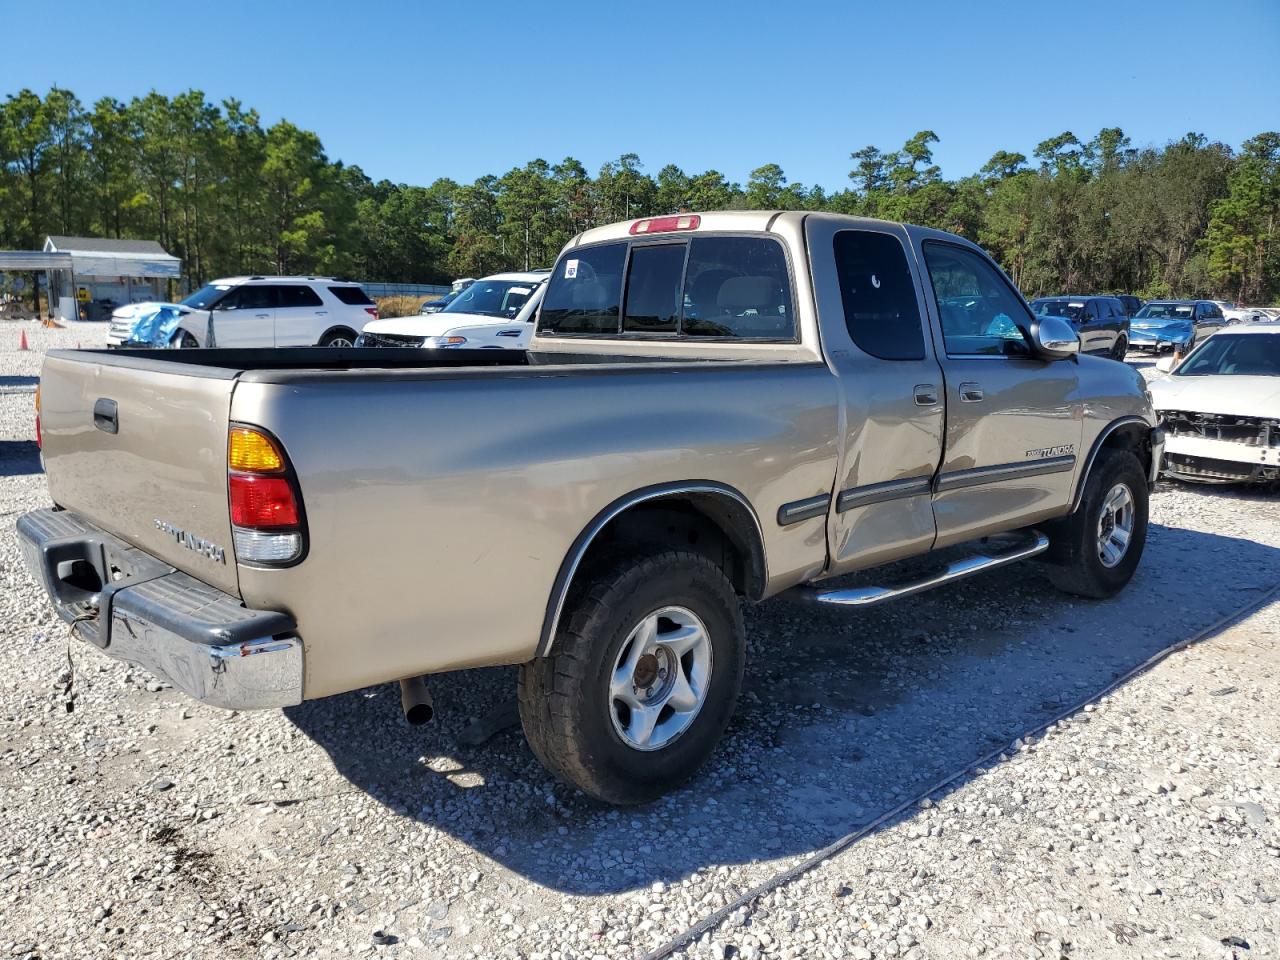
x: 1220, y: 407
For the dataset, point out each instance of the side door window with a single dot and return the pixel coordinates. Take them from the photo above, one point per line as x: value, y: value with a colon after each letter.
x: 879, y: 295
x: 299, y: 296
x: 257, y: 297
x: 979, y: 313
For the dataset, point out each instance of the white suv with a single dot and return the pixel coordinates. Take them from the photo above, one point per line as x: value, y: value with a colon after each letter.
x: 263, y: 312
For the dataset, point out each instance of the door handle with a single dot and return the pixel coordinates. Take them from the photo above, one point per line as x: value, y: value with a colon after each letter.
x: 926, y: 394
x: 322, y: 313
x: 970, y: 392
x: 262, y: 316
x: 106, y: 415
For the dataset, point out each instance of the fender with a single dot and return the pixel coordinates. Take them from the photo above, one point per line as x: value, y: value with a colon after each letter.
x: 1098, y: 443
x: 569, y: 566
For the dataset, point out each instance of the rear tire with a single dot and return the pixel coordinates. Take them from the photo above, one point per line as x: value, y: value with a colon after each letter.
x: 642, y: 679
x: 1119, y: 349
x: 341, y: 337
x: 1095, y: 551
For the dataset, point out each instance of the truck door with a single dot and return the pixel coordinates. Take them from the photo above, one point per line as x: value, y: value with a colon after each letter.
x: 246, y: 317
x: 1013, y: 422
x: 872, y: 316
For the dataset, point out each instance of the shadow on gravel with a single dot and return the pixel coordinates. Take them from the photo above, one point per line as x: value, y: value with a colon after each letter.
x: 19, y: 458
x: 843, y: 716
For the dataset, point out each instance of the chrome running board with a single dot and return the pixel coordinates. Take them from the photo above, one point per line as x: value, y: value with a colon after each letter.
x: 956, y: 570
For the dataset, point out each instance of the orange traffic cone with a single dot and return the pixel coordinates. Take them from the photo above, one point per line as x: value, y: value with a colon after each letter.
x: 22, y: 343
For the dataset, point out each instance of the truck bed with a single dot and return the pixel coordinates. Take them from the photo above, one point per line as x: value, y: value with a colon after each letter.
x: 227, y: 363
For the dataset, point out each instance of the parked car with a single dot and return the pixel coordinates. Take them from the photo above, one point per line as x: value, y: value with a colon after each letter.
x: 1131, y: 303
x: 1101, y: 322
x: 1174, y: 324
x: 265, y: 312
x: 713, y: 406
x: 1221, y: 407
x: 494, y: 313
x: 1241, y: 314
x: 437, y: 304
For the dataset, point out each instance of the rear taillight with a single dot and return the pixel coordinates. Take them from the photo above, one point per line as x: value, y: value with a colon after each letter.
x: 262, y: 502
x: 685, y: 221
x: 39, y: 439
x: 267, y: 522
x: 372, y: 311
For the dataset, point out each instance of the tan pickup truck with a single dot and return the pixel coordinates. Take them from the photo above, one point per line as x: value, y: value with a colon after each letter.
x: 714, y: 408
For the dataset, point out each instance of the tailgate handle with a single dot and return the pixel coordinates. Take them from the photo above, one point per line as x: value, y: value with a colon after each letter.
x: 106, y: 415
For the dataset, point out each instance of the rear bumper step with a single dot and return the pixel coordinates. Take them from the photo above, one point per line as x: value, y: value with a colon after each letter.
x: 868, y: 596
x: 140, y: 610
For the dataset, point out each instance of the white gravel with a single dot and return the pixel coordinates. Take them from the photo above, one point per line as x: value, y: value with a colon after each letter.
x: 143, y: 825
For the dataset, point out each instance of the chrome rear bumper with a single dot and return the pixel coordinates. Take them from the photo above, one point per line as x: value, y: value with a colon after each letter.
x: 140, y: 610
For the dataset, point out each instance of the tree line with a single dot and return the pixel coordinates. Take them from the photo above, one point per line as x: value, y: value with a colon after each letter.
x: 229, y: 196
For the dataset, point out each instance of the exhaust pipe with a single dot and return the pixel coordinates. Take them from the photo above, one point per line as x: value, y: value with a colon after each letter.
x: 415, y: 700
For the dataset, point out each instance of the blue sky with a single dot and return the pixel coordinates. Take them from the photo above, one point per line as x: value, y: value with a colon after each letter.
x: 416, y: 91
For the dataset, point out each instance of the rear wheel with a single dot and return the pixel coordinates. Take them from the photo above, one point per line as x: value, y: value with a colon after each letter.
x: 1120, y: 348
x: 643, y: 679
x: 1095, y: 551
x: 339, y: 338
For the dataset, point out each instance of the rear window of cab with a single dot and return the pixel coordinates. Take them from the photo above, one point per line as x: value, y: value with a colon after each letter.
x: 705, y: 287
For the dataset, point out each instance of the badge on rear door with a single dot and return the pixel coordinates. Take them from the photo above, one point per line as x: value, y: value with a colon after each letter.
x: 205, y: 548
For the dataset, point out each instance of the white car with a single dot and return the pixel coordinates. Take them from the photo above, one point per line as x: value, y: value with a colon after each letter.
x: 1234, y: 314
x: 262, y: 312
x: 1220, y: 407
x: 494, y: 313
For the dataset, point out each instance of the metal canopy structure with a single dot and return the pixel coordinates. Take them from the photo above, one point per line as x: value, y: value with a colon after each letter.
x: 27, y: 261
x: 88, y: 276
x: 101, y: 257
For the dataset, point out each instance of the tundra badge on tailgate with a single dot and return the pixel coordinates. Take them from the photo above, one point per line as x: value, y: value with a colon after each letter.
x: 189, y: 540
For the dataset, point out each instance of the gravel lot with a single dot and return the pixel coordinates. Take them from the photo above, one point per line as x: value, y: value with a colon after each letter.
x: 143, y: 825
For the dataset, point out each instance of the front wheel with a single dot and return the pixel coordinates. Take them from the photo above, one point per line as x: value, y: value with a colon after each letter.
x: 642, y: 680
x: 183, y: 340
x: 1095, y: 551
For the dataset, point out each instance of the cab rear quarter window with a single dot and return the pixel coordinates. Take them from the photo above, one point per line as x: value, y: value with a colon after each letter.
x: 352, y: 296
x: 730, y: 287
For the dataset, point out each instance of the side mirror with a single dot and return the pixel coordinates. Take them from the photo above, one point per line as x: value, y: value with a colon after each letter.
x: 1052, y: 338
x: 1166, y: 364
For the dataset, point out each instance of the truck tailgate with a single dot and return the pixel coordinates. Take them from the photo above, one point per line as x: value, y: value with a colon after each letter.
x: 157, y: 476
